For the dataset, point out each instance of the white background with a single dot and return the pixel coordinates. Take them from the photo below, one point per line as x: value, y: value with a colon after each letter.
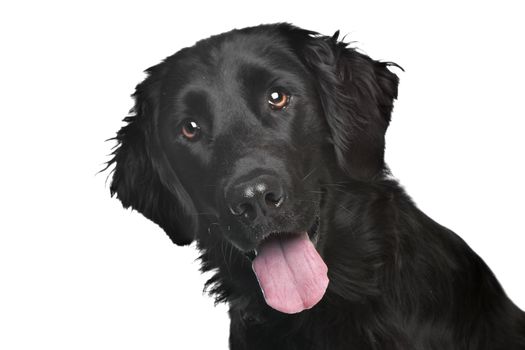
x: 79, y: 272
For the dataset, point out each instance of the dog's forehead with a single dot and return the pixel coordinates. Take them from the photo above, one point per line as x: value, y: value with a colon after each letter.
x: 238, y: 45
x: 221, y: 60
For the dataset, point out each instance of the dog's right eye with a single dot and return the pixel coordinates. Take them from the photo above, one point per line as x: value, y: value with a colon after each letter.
x: 191, y: 130
x: 278, y: 99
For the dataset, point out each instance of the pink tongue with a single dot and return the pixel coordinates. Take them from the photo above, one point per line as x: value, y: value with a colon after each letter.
x: 292, y: 275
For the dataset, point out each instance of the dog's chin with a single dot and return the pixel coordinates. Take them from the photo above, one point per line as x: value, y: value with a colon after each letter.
x: 313, y: 235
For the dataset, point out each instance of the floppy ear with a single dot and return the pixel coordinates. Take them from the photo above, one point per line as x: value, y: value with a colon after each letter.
x: 142, y: 178
x: 357, y: 95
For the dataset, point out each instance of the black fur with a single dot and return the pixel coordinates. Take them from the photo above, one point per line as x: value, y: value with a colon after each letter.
x: 398, y: 280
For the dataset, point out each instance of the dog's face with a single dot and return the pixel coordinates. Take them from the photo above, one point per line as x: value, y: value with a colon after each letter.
x: 244, y: 132
x: 235, y: 137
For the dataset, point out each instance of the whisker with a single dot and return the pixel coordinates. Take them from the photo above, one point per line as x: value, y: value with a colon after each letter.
x: 224, y: 257
x: 230, y: 256
x: 309, y: 173
x: 346, y: 209
x: 341, y: 191
x: 335, y: 184
x: 309, y: 200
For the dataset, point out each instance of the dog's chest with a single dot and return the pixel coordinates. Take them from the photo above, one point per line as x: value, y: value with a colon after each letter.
x: 254, y: 330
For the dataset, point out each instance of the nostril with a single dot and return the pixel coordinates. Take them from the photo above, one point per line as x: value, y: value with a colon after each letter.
x: 239, y: 209
x: 273, y: 200
x: 244, y: 209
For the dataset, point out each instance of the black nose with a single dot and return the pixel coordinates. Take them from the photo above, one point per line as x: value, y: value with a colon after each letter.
x: 256, y: 197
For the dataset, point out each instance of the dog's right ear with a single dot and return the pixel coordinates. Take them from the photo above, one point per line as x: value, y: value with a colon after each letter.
x: 142, y: 179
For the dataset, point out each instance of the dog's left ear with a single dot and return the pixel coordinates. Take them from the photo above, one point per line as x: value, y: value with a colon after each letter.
x: 357, y: 95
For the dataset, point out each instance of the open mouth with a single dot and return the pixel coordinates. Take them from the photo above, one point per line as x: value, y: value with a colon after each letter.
x: 291, y: 273
x: 313, y: 235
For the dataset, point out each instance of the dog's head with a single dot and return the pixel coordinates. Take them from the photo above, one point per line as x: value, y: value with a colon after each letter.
x: 235, y: 136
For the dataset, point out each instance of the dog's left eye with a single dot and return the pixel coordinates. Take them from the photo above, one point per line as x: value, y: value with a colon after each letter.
x: 278, y: 99
x: 191, y: 130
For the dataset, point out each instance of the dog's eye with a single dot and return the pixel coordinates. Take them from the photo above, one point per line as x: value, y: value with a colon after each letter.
x: 278, y: 99
x: 191, y: 130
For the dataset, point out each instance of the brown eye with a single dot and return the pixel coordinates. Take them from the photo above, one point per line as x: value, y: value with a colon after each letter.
x: 191, y: 130
x: 278, y: 99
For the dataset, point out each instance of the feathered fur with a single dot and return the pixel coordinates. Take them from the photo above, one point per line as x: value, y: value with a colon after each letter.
x: 398, y: 280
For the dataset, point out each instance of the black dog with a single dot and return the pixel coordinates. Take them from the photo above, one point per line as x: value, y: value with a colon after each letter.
x: 265, y: 145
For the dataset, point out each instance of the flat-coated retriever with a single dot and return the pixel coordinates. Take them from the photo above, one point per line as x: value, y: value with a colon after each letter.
x: 265, y: 145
